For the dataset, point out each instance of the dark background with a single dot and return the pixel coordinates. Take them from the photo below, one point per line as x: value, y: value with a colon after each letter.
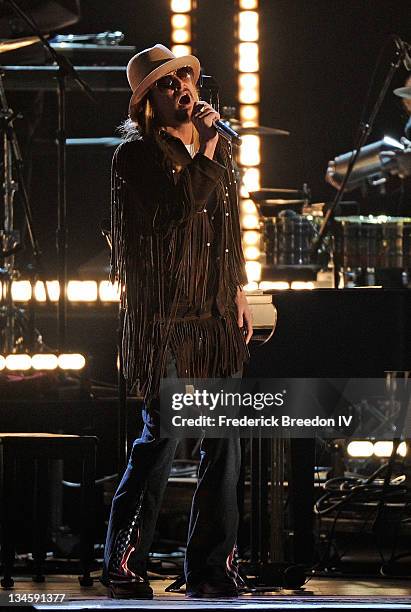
x: 317, y: 58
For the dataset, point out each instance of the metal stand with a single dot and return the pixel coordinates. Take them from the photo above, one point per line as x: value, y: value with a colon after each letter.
x: 10, y: 240
x: 365, y: 131
x: 66, y: 69
x: 281, y: 539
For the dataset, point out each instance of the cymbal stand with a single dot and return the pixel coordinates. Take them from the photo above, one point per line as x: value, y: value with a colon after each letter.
x: 9, y: 237
x: 66, y: 70
x: 364, y: 131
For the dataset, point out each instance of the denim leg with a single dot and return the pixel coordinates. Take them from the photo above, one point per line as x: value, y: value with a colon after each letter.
x: 214, y: 513
x: 137, y: 501
x: 212, y: 533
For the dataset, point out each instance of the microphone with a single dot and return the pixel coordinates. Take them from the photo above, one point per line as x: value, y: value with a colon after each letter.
x: 227, y: 132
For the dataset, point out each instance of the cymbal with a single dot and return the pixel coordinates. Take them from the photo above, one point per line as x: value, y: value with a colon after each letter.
x: 403, y: 92
x: 261, y: 130
x: 17, y: 43
x: 282, y: 202
x: 278, y: 195
x: 271, y: 208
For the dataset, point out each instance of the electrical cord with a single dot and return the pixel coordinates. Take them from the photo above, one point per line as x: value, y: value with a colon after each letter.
x: 341, y: 490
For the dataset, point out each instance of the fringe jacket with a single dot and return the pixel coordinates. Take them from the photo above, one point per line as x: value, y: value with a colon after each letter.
x: 177, y: 255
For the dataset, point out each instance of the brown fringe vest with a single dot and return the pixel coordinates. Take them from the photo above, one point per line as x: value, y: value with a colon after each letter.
x: 177, y: 255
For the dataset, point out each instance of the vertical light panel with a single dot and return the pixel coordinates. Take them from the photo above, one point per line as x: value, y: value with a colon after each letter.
x: 181, y: 26
x: 248, y: 74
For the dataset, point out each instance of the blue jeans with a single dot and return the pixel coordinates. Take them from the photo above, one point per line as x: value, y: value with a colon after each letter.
x: 136, y: 504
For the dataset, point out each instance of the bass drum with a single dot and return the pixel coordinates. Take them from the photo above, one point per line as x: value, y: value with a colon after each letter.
x: 288, y: 239
x: 378, y: 244
x: 374, y: 242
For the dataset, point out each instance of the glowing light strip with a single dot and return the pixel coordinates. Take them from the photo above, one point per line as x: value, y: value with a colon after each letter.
x: 360, y: 449
x: 248, y: 66
x: 20, y: 362
x: 181, y: 24
x: 77, y: 291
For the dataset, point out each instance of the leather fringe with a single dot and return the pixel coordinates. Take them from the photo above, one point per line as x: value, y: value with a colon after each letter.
x: 158, y: 267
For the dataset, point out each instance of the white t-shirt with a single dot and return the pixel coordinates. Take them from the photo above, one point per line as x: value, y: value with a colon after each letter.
x: 191, y: 149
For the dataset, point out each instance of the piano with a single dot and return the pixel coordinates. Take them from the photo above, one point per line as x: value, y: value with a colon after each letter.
x: 359, y: 332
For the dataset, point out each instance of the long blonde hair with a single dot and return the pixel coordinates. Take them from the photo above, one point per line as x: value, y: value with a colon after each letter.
x: 143, y: 121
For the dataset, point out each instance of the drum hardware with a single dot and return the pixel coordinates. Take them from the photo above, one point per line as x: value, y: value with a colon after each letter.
x: 289, y: 224
x: 271, y: 201
x: 103, y: 39
x: 13, y: 44
x: 10, y: 244
x: 104, y: 48
x: 374, y: 250
x: 65, y: 69
x: 397, y: 164
x: 228, y: 114
x: 364, y: 130
x: 369, y: 165
x: 315, y: 209
x: 261, y: 130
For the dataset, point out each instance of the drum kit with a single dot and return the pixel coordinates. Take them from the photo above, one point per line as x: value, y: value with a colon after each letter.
x: 363, y: 250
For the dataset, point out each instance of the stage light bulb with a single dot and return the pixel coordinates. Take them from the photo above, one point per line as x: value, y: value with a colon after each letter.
x: 248, y: 57
x: 250, y: 222
x: 249, y: 84
x: 248, y: 114
x: 277, y: 285
x: 252, y: 253
x: 109, y: 292
x: 181, y: 50
x: 250, y: 151
x: 71, y: 361
x: 21, y: 291
x: 43, y: 361
x: 248, y: 26
x: 253, y: 269
x: 180, y: 21
x: 251, y: 238
x: 248, y: 207
x: 302, y: 285
x: 181, y: 36
x: 248, y: 4
x: 383, y: 448
x: 250, y: 287
x: 360, y: 448
x: 181, y: 6
x: 251, y: 180
x: 18, y: 362
x: 82, y: 291
x: 53, y: 291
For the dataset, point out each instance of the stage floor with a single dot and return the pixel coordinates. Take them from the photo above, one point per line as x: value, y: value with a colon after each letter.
x: 319, y: 593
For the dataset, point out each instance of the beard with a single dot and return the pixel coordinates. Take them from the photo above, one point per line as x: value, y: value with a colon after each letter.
x: 181, y: 115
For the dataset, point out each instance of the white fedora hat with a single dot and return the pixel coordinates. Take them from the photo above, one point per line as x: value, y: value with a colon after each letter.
x: 145, y: 68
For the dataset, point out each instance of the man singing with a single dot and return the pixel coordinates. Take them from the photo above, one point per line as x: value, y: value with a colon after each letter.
x: 176, y: 252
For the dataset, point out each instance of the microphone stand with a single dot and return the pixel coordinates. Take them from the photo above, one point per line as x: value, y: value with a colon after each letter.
x: 65, y: 70
x: 365, y: 131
